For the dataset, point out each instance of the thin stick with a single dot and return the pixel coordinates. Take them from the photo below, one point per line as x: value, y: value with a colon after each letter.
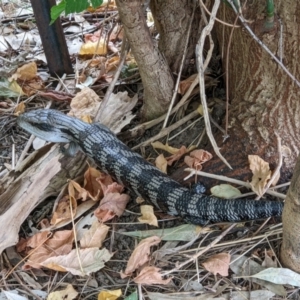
x: 218, y: 20
x: 195, y: 256
x: 227, y: 79
x: 228, y: 179
x: 124, y: 50
x: 201, y: 66
x: 167, y: 130
x: 264, y: 46
x: 180, y: 70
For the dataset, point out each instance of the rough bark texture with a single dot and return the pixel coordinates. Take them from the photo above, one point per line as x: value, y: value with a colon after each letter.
x: 172, y: 19
x: 263, y: 99
x: 290, y: 249
x: 154, y: 70
x: 41, y: 175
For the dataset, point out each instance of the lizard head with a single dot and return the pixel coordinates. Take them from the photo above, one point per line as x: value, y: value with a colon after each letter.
x: 48, y: 124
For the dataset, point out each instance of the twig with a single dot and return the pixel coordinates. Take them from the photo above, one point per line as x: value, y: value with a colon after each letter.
x: 201, y: 66
x: 232, y: 180
x: 167, y: 130
x: 124, y: 50
x: 182, y: 102
x: 240, y: 241
x: 180, y: 70
x: 15, y: 275
x: 227, y: 79
x: 264, y: 46
x: 218, y: 20
x: 195, y: 256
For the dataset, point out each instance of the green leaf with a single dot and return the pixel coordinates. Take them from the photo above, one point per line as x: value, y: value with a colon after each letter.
x: 96, y: 3
x: 225, y: 190
x: 133, y: 296
x: 10, y: 89
x: 72, y: 6
x: 76, y: 6
x: 184, y: 232
x: 57, y: 10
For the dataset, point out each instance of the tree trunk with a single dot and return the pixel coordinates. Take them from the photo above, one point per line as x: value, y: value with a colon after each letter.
x: 264, y: 101
x: 290, y: 249
x: 172, y: 20
x: 154, y: 70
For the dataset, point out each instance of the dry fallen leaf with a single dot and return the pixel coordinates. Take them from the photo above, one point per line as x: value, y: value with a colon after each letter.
x: 94, y: 236
x: 20, y: 108
x: 185, y: 84
x: 225, y: 191
x: 140, y: 255
x: 148, y: 216
x: 269, y: 262
x: 150, y: 275
x: 161, y: 163
x: 63, y: 211
x: 218, y: 264
x: 91, y: 184
x: 110, y: 295
x: 197, y: 158
x: 85, y: 103
x: 91, y: 47
x: 26, y: 72
x: 60, y: 243
x: 183, y: 150
x: 261, y: 174
x: 68, y: 293
x: 160, y: 145
x: 82, y: 262
x: 112, y: 204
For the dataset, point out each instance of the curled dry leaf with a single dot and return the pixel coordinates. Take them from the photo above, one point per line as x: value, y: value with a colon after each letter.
x: 176, y: 153
x: 161, y: 163
x: 85, y: 103
x: 63, y: 210
x: 197, y: 158
x: 91, y: 184
x: 112, y: 204
x: 183, y: 150
x: 261, y: 173
x: 150, y: 275
x: 185, y: 84
x: 26, y: 72
x: 218, y: 263
x: 104, y: 180
x: 91, y: 47
x: 148, y: 216
x: 140, y: 255
x: 269, y: 262
x: 169, y: 149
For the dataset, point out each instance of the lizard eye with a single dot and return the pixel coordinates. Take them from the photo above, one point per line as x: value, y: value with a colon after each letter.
x: 43, y: 126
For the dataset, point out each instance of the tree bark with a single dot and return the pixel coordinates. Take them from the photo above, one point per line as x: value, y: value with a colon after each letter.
x: 264, y: 101
x: 154, y: 70
x: 172, y: 20
x: 290, y: 249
